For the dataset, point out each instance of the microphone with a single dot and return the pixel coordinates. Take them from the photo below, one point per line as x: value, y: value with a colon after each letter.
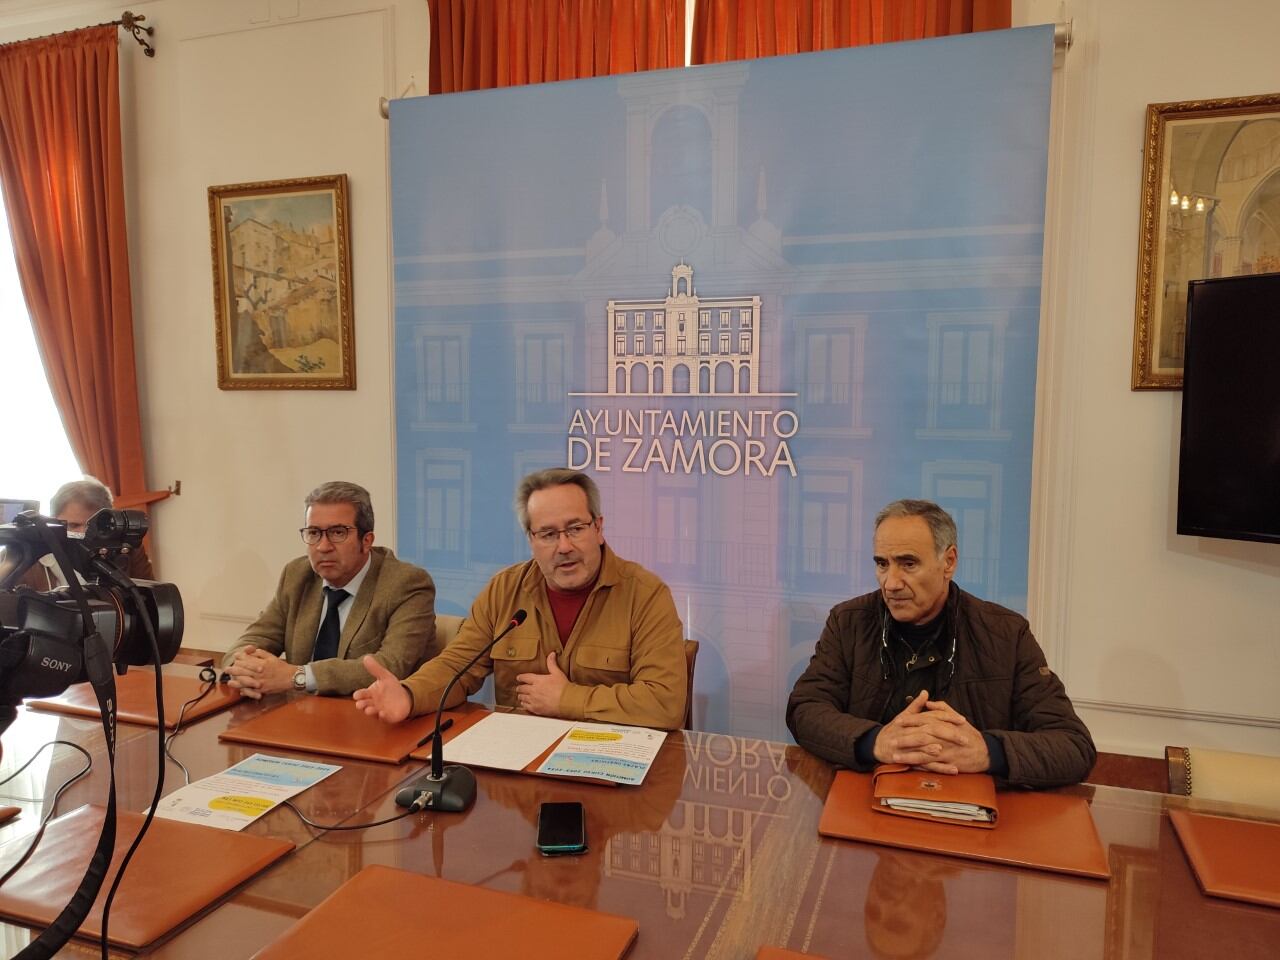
x: 451, y: 788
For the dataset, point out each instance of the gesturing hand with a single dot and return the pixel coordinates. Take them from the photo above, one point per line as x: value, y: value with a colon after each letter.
x: 540, y: 692
x: 385, y: 698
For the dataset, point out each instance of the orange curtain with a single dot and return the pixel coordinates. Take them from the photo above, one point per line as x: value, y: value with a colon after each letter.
x: 741, y: 29
x: 478, y: 44
x: 62, y: 174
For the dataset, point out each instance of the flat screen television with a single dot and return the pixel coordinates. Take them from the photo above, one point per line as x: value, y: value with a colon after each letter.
x: 1229, y: 463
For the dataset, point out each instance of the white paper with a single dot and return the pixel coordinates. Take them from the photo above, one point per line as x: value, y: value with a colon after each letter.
x: 505, y: 741
x: 940, y: 808
x: 241, y: 794
x: 605, y: 751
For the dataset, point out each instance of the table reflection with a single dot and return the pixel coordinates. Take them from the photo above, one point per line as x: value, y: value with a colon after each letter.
x: 715, y: 854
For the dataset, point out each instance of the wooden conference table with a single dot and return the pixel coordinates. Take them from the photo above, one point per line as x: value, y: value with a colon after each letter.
x: 715, y: 855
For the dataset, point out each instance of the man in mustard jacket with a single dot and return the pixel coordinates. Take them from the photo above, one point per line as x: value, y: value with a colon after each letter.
x: 602, y: 640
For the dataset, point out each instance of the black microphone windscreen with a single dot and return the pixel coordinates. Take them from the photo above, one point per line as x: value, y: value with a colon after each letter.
x: 518, y: 618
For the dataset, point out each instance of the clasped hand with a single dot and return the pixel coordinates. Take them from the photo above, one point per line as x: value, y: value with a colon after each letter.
x: 256, y: 672
x: 930, y: 735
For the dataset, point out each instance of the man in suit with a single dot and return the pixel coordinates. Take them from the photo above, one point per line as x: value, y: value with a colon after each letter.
x: 344, y: 600
x: 74, y: 504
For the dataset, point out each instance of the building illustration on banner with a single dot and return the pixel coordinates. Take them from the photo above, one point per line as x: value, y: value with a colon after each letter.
x: 684, y: 344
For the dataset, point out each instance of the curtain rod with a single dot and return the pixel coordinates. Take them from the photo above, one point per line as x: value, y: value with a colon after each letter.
x: 1062, y: 37
x: 133, y: 23
x: 129, y: 21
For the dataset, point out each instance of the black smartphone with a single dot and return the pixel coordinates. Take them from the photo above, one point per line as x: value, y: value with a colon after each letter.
x: 562, y: 829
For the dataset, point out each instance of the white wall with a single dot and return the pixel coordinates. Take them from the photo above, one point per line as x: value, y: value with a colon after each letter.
x: 243, y: 90
x: 1161, y: 639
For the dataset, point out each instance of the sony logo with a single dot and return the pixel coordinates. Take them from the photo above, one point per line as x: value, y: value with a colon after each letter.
x: 52, y: 664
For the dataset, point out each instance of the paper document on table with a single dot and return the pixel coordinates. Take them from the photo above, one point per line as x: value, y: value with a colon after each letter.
x: 605, y: 751
x: 935, y: 808
x: 505, y: 741
x: 239, y: 795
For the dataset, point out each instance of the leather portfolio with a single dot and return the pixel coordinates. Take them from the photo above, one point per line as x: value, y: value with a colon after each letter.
x: 966, y: 798
x: 178, y: 870
x: 136, y: 699
x: 1235, y: 859
x: 1048, y: 831
x: 336, y: 727
x: 402, y: 914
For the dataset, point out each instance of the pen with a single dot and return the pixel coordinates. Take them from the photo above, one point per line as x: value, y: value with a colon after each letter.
x: 443, y: 727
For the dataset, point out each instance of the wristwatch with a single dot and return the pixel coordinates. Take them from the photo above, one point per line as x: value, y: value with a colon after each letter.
x: 300, y: 679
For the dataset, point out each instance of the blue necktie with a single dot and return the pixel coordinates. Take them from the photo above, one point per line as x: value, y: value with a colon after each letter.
x: 331, y: 629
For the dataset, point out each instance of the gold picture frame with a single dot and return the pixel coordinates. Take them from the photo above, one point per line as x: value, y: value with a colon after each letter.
x: 281, y: 253
x: 1210, y: 195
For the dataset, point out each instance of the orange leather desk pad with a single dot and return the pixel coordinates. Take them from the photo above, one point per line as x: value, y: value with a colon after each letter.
x: 136, y: 699
x: 334, y: 726
x: 1235, y: 859
x: 179, y: 869
x: 402, y: 913
x: 1049, y: 831
x: 778, y: 953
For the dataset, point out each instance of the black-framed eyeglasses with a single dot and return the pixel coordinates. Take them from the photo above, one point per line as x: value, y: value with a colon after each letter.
x: 336, y: 534
x: 574, y: 531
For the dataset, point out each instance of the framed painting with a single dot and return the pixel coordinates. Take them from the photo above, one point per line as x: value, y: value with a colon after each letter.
x: 1210, y: 208
x: 282, y: 284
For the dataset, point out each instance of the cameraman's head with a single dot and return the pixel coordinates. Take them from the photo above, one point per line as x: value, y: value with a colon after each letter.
x: 77, y: 501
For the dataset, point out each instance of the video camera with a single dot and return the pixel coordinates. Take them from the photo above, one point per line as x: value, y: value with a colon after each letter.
x: 43, y: 633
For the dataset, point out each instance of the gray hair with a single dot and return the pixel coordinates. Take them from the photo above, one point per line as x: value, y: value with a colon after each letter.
x: 341, y: 491
x: 91, y: 492
x: 555, y: 477
x: 940, y: 523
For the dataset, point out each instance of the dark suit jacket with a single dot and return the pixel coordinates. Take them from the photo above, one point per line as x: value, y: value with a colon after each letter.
x: 392, y: 617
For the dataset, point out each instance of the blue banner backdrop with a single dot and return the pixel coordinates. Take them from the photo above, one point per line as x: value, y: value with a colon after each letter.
x: 756, y: 301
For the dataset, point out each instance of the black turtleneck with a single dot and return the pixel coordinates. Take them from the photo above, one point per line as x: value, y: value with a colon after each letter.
x: 915, y: 653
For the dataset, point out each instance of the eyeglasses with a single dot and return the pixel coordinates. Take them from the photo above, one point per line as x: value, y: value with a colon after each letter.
x: 336, y: 534
x: 549, y: 538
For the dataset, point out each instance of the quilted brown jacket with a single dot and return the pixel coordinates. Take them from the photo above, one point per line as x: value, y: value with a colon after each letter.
x: 1002, y: 685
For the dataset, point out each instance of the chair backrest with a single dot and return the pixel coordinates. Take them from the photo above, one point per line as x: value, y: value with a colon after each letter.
x: 447, y: 626
x: 1223, y: 775
x: 690, y: 660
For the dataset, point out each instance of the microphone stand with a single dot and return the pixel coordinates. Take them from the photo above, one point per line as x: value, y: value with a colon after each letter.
x: 451, y: 788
